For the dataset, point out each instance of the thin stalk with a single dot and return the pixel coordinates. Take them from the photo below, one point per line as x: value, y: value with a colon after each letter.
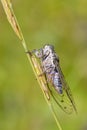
x: 32, y: 59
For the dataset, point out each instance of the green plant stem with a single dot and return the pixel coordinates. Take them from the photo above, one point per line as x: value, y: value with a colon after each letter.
x: 37, y: 70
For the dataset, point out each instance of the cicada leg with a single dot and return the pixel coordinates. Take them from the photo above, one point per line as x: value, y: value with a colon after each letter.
x: 40, y: 74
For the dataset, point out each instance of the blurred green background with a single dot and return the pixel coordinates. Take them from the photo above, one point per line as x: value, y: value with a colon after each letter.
x: 63, y: 24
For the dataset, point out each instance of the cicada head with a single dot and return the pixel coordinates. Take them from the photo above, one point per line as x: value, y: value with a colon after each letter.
x: 38, y: 53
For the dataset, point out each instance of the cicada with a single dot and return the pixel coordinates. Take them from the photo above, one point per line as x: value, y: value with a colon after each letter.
x: 57, y: 84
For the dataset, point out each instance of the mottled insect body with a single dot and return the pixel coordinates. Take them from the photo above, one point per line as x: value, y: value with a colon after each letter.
x: 50, y: 62
x: 50, y: 66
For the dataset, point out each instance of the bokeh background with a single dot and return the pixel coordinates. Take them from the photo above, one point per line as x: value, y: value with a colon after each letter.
x: 63, y: 24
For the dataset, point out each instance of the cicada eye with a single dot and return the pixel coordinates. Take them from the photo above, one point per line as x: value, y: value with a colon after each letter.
x: 38, y: 53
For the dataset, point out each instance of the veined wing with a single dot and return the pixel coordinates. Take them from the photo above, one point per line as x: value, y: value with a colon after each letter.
x: 65, y: 100
x: 66, y: 89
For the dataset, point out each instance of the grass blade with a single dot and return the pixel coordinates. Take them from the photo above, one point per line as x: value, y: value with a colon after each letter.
x: 32, y: 59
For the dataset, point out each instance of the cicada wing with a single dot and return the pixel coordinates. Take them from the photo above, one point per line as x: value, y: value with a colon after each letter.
x: 64, y: 100
x: 66, y: 90
x: 61, y: 100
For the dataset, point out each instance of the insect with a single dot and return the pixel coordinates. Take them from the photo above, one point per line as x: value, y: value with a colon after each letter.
x: 57, y: 84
